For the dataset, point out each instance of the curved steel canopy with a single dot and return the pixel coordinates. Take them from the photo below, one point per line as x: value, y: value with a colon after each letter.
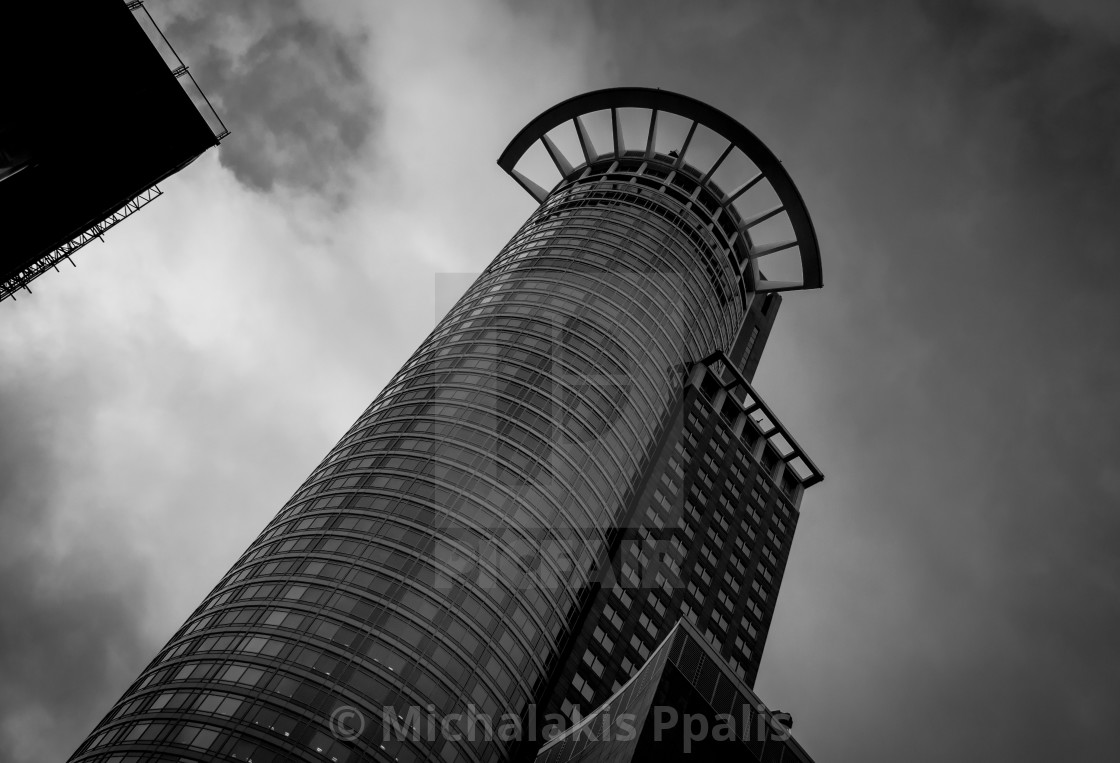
x: 699, y: 113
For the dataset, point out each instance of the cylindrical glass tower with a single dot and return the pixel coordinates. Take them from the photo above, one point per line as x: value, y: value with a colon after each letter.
x: 437, y: 558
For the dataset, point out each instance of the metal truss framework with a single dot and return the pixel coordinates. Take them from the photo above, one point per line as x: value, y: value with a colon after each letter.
x: 21, y: 280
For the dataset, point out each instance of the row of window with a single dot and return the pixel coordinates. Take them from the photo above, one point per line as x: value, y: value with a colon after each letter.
x: 448, y: 433
x: 735, y: 612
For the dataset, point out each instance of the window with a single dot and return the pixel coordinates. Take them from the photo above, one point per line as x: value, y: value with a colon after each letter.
x: 567, y: 708
x: 603, y: 639
x: 580, y: 684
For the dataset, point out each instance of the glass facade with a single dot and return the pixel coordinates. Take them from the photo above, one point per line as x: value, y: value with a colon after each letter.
x: 706, y: 541
x: 438, y: 555
x: 565, y: 467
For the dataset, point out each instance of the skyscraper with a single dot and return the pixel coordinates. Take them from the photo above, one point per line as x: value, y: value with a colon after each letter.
x: 570, y: 462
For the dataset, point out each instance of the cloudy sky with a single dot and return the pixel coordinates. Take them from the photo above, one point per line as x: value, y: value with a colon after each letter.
x: 954, y: 587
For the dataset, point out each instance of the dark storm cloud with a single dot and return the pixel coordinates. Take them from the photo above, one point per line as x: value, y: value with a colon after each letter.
x: 954, y: 584
x: 119, y: 440
x: 289, y: 85
x: 953, y: 588
x: 63, y: 637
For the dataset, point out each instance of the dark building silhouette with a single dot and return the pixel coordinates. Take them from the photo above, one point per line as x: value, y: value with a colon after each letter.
x: 683, y: 704
x: 97, y: 109
x: 570, y: 463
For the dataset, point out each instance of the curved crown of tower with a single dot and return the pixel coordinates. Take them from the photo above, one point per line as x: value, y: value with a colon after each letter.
x: 688, y: 150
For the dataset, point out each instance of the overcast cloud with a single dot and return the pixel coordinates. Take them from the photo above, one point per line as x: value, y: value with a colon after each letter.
x: 953, y: 587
